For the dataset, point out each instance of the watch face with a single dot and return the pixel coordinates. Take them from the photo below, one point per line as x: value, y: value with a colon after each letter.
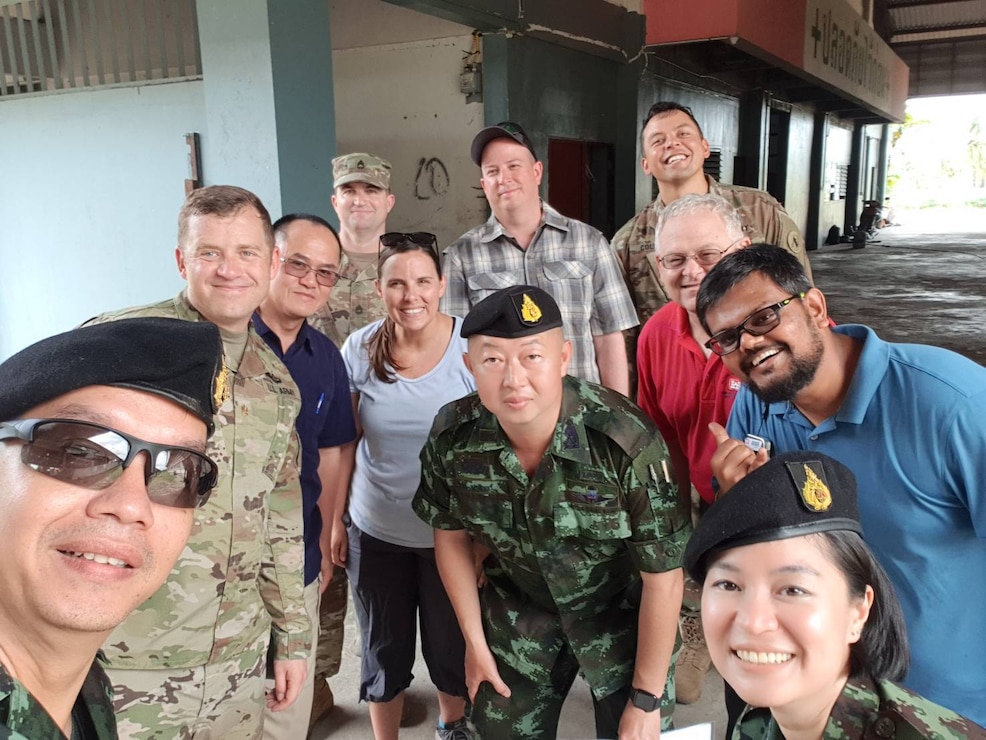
x: 644, y: 700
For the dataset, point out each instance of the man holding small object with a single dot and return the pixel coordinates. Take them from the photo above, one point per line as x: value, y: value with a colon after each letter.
x: 907, y: 419
x: 567, y: 483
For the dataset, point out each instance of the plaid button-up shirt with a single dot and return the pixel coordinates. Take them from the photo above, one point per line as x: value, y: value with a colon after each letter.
x: 569, y: 259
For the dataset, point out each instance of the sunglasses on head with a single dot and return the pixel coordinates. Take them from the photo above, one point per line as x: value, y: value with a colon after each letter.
x: 422, y: 239
x: 94, y: 456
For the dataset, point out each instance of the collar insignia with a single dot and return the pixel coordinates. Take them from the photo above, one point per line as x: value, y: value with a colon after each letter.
x: 221, y: 389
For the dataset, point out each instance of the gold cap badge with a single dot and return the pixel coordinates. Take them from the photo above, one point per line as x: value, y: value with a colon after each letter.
x: 814, y: 492
x: 530, y: 313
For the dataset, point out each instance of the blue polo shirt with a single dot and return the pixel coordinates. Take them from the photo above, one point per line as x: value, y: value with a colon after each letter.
x: 912, y: 428
x: 326, y: 418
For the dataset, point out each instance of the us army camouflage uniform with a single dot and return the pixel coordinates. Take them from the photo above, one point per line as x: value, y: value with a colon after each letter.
x: 23, y: 718
x: 568, y: 545
x: 868, y: 709
x: 764, y: 220
x: 243, y: 567
x: 353, y: 303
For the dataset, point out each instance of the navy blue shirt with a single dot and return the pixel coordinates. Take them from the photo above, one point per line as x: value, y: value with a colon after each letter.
x: 326, y: 418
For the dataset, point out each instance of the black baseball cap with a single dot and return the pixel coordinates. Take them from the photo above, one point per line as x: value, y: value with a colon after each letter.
x: 502, y: 130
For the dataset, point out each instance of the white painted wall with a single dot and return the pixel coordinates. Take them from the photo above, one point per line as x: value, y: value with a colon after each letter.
x: 90, y: 187
x: 396, y: 74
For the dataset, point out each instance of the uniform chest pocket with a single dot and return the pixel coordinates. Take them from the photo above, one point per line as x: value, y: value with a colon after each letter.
x: 484, y: 511
x: 592, y: 522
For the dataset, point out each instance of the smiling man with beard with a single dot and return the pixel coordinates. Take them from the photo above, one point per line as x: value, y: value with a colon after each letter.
x: 909, y: 421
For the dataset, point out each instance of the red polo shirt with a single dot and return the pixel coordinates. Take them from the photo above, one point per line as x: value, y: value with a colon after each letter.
x: 682, y: 390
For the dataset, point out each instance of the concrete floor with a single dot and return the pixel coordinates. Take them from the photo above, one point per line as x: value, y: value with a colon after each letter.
x: 924, y: 282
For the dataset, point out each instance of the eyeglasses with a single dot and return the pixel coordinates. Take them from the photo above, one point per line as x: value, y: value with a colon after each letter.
x: 705, y: 258
x: 93, y: 456
x: 756, y: 324
x: 323, y: 275
x: 424, y: 239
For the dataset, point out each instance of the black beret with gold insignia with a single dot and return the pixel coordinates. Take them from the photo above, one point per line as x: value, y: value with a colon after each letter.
x: 793, y: 494
x: 181, y: 361
x: 514, y: 312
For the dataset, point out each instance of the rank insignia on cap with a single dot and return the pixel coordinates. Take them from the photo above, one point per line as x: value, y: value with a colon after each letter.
x: 220, y: 391
x: 809, y: 478
x: 530, y: 312
x: 360, y: 165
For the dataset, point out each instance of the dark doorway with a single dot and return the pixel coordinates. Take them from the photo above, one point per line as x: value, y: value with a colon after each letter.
x: 580, y: 181
x: 780, y: 130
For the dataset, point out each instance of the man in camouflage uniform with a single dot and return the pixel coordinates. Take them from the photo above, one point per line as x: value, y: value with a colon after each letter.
x: 362, y: 199
x: 673, y: 152
x: 191, y: 660
x: 309, y: 269
x: 568, y: 485
x: 86, y: 535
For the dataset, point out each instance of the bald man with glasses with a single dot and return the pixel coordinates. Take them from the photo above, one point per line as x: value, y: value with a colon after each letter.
x: 102, y: 464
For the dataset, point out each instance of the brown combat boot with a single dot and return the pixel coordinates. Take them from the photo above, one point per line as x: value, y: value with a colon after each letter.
x: 693, y: 662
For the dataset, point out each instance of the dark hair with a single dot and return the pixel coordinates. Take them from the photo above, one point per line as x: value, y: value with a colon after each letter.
x: 280, y: 227
x: 380, y: 345
x: 221, y: 200
x: 881, y: 652
x: 772, y: 262
x: 663, y: 107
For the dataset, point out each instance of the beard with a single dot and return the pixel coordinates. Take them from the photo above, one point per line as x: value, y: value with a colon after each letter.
x: 802, y: 372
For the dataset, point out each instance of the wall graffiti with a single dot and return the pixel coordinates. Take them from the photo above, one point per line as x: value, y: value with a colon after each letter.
x: 432, y: 180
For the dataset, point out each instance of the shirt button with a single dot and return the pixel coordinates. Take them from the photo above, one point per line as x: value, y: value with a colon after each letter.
x: 884, y: 727
x: 814, y: 436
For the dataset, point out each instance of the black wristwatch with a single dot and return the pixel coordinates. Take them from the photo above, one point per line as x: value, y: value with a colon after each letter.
x: 644, y: 700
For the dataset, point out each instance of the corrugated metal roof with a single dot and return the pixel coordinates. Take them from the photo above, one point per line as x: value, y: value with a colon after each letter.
x: 919, y: 20
x: 942, y: 41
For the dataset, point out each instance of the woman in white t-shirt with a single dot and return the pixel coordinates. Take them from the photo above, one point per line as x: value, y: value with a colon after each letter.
x: 402, y: 370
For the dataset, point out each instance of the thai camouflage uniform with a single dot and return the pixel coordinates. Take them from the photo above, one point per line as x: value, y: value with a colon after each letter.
x: 353, y: 304
x: 23, y: 718
x: 242, y: 570
x: 868, y: 709
x: 764, y: 220
x: 568, y: 544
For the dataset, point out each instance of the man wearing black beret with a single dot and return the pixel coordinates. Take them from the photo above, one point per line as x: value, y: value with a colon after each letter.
x: 102, y: 463
x: 568, y: 485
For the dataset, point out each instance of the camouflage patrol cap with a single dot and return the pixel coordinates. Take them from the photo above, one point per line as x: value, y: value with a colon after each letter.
x: 513, y: 312
x: 361, y: 167
x: 793, y: 494
x: 181, y: 361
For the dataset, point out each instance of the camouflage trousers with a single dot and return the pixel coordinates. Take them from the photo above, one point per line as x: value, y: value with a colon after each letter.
x: 292, y: 723
x: 217, y: 700
x: 533, y: 709
x: 331, y: 625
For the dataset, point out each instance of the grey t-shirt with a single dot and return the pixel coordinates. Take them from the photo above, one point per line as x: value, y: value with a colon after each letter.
x: 396, y: 418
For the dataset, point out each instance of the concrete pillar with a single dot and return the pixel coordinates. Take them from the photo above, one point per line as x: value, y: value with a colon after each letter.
x: 816, y: 176
x: 881, y: 163
x: 857, y: 166
x: 270, y: 118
